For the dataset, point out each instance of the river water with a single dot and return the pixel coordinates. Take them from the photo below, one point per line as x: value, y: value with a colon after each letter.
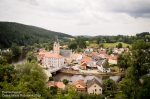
x: 18, y: 59
x: 85, y: 78
x: 60, y: 76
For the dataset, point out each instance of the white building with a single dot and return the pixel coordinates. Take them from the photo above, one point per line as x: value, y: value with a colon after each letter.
x: 52, y: 60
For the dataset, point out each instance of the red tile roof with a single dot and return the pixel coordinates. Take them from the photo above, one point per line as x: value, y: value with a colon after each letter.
x: 52, y: 55
x: 60, y: 84
x: 83, y: 64
x: 94, y: 53
x: 86, y: 59
x: 51, y: 83
x: 102, y: 51
x: 79, y: 82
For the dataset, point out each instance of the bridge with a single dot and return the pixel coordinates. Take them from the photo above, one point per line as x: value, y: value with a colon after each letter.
x: 53, y: 70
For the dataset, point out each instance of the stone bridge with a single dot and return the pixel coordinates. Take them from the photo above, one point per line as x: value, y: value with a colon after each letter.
x: 52, y: 70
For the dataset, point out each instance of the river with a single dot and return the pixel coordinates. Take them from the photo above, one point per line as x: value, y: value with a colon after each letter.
x: 19, y: 58
x: 60, y: 76
x: 73, y: 78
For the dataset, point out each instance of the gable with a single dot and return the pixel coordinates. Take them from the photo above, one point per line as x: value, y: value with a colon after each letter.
x: 95, y: 86
x: 79, y: 86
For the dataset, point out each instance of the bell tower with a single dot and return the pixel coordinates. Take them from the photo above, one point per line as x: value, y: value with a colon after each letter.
x: 56, y: 46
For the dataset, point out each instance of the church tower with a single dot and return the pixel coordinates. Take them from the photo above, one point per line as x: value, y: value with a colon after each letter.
x: 56, y: 46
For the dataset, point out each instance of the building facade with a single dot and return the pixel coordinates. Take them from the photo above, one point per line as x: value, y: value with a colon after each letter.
x: 52, y: 60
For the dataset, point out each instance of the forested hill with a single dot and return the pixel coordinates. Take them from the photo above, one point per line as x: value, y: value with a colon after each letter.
x: 25, y: 35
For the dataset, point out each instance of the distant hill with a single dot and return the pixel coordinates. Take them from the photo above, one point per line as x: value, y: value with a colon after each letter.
x: 25, y: 34
x: 87, y: 36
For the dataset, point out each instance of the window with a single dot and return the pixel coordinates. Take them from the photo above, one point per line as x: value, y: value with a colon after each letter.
x: 99, y: 89
x: 78, y: 86
x: 95, y: 86
x: 95, y: 89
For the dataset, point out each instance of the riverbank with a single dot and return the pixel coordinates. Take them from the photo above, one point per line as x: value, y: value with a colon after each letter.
x: 92, y: 72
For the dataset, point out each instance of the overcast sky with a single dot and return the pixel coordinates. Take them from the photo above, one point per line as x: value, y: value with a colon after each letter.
x: 80, y: 17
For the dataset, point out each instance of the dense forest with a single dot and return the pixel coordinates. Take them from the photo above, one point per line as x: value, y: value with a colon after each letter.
x: 24, y: 35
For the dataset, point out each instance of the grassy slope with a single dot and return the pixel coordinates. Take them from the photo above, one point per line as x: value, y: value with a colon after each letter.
x: 114, y: 44
x: 106, y: 45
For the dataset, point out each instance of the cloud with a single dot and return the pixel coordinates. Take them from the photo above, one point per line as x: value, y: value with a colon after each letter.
x: 75, y: 17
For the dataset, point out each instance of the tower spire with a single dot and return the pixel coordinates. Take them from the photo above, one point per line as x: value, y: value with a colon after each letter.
x: 56, y: 39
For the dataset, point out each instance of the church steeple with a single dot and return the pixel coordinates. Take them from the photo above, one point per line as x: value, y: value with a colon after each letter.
x: 56, y: 39
x: 56, y: 46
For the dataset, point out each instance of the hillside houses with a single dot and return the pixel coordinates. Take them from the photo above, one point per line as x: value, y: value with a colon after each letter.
x: 94, y: 87
x: 85, y: 60
x: 79, y: 85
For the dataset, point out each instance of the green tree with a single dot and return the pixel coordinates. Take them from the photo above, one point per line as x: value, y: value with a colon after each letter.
x: 106, y: 64
x: 30, y: 57
x: 73, y: 45
x: 143, y: 92
x: 110, y: 51
x: 15, y: 49
x: 139, y: 65
x: 32, y: 80
x: 81, y: 41
x: 109, y: 83
x: 65, y: 81
x: 3, y: 61
x: 72, y: 94
x: 59, y: 94
x: 119, y: 45
x: 51, y: 79
x: 101, y: 45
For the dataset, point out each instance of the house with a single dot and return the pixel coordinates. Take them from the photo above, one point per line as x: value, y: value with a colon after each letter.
x: 89, y: 49
x: 113, y: 58
x: 94, y: 53
x: 76, y: 57
x: 94, y: 86
x: 102, y: 53
x: 83, y: 65
x: 88, y: 53
x: 60, y: 85
x: 91, y: 64
x: 52, y: 60
x: 79, y: 85
x: 85, y: 59
x: 51, y: 83
x: 100, y: 66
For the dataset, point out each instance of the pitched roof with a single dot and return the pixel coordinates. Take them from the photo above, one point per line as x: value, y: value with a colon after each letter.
x: 88, y: 52
x: 102, y: 51
x: 79, y: 82
x: 51, y: 83
x: 94, y: 53
x: 93, y: 81
x: 100, y: 62
x: 83, y: 64
x: 52, y: 55
x: 75, y: 55
x: 60, y: 84
x: 65, y: 53
x: 96, y: 57
x: 86, y: 59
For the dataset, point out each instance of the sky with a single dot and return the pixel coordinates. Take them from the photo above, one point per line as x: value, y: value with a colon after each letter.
x: 80, y: 17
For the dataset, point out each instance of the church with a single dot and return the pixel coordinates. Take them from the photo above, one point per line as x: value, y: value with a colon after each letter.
x: 65, y: 53
x: 57, y: 58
